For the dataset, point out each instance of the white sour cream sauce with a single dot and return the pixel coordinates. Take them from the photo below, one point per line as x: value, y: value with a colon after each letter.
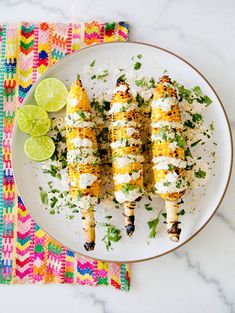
x: 131, y: 196
x: 163, y: 162
x: 81, y: 142
x: 126, y: 178
x: 86, y: 180
x: 164, y: 103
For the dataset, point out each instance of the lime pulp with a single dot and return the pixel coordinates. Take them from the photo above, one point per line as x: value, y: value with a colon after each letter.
x: 39, y: 148
x: 33, y: 120
x: 51, y: 94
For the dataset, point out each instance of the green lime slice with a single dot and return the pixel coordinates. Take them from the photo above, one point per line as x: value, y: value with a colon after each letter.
x: 51, y: 94
x: 33, y: 120
x: 39, y: 148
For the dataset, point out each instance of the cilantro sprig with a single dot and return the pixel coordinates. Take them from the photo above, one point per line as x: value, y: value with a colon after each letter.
x: 112, y: 234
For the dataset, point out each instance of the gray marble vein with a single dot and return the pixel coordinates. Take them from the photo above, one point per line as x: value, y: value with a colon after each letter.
x: 210, y: 281
x: 91, y: 297
x: 226, y: 221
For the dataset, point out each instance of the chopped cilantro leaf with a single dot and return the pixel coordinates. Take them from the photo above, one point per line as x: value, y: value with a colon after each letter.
x: 102, y: 74
x: 195, y: 143
x: 79, y: 195
x: 115, y: 201
x: 108, y: 217
x: 92, y: 63
x: 212, y: 126
x: 139, y: 56
x: 106, y: 105
x: 153, y: 226
x: 180, y: 141
x: 148, y: 207
x: 126, y: 188
x: 44, y: 197
x: 197, y: 90
x: 50, y: 184
x: 207, y: 100
x: 178, y: 183
x: 140, y: 100
x: 81, y: 114
x: 112, y: 235
x: 200, y: 174
x: 167, y: 183
x: 141, y: 82
x: 197, y: 117
x: 182, y: 212
x: 121, y: 78
x: 151, y: 83
x: 53, y: 201
x: 171, y: 167
x: 188, y: 152
x: 189, y: 124
x: 137, y: 66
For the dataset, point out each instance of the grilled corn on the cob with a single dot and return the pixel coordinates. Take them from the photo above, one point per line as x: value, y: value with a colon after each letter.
x: 126, y: 152
x: 168, y: 152
x: 83, y: 159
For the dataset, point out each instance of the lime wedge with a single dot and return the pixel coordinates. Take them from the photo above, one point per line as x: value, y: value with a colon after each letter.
x: 51, y: 94
x: 33, y: 120
x: 39, y: 148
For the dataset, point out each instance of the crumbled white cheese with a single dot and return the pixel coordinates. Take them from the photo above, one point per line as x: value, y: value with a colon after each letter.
x: 163, y: 162
x: 87, y: 202
x: 126, y: 143
x: 145, y: 93
x: 130, y: 131
x: 172, y: 177
x: 126, y: 178
x: 159, y: 136
x: 173, y: 145
x: 81, y: 142
x: 73, y: 102
x: 86, y: 180
x: 74, y: 118
x: 120, y: 107
x: 168, y: 124
x: 73, y: 157
x: 122, y: 88
x: 131, y: 195
x: 169, y: 184
x: 164, y: 103
x: 125, y: 160
x: 194, y: 107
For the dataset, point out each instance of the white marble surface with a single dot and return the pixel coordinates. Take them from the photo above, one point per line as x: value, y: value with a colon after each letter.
x: 199, y: 277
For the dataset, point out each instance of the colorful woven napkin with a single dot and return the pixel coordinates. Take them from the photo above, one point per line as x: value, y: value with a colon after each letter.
x: 27, y: 254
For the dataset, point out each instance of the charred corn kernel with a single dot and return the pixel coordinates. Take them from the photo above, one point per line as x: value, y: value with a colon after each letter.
x: 78, y: 99
x: 126, y: 145
x: 168, y: 151
x: 83, y: 158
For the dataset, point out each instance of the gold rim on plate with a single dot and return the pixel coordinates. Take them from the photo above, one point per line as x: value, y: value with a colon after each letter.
x: 230, y: 137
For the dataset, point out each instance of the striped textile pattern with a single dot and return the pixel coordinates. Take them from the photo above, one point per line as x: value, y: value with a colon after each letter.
x: 27, y: 253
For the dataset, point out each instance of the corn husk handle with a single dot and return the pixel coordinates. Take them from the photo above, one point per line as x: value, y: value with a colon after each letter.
x: 88, y: 224
x: 173, y: 229
x: 129, y: 215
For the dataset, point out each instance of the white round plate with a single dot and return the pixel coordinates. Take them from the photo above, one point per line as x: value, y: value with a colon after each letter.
x: 139, y: 247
